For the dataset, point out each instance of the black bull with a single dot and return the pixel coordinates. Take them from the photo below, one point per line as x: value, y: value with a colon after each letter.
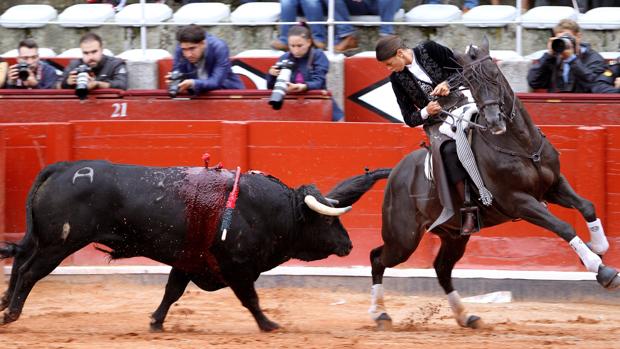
x: 172, y: 215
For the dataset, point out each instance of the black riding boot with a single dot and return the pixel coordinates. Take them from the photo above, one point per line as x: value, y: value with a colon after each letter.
x: 468, y: 221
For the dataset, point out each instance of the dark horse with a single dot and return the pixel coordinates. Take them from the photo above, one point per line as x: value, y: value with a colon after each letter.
x: 506, y: 144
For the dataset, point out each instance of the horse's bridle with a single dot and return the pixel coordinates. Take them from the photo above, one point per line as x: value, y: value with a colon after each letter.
x: 487, y: 103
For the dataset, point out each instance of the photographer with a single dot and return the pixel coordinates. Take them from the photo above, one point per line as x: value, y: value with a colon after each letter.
x: 609, y: 81
x: 309, y: 66
x: 203, y: 61
x: 105, y: 71
x: 30, y: 71
x: 569, y: 65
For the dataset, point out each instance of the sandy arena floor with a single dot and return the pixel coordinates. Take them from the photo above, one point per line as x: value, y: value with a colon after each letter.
x: 116, y: 315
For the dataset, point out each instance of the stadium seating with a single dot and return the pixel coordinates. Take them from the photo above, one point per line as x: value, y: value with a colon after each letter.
x: 86, y: 15
x: 256, y: 12
x: 43, y: 52
x: 601, y: 18
x: 490, y: 16
x: 399, y: 16
x: 203, y: 12
x: 543, y: 17
x: 148, y: 55
x: 432, y: 13
x: 28, y: 16
x: 153, y: 13
x: 77, y: 53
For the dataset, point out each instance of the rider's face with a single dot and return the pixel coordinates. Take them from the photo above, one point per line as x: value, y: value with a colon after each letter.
x: 397, y: 62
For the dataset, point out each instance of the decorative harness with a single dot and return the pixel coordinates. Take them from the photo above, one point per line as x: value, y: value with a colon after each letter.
x: 534, y: 156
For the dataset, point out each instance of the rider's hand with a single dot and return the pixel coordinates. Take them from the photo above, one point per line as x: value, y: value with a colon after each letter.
x: 433, y: 108
x: 443, y: 89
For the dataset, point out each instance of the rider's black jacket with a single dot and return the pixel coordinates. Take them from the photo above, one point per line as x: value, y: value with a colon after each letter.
x: 439, y: 64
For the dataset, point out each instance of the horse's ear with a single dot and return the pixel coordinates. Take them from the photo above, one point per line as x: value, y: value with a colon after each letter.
x: 485, y: 44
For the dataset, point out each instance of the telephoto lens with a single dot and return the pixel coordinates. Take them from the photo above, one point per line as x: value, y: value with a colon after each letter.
x: 175, y: 79
x: 23, y: 71
x: 81, y: 82
x: 558, y: 45
x: 279, y: 89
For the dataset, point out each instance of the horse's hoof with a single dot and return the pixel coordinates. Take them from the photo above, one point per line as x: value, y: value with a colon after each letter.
x: 474, y: 322
x: 156, y: 328
x: 8, y: 318
x: 384, y: 322
x: 268, y: 326
x: 607, y: 277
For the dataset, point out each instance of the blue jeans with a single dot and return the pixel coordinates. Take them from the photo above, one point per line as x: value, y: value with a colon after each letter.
x: 386, y: 9
x: 312, y: 10
x: 467, y: 3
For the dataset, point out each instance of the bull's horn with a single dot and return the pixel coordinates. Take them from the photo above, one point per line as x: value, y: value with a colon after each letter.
x: 318, y: 207
x: 332, y: 201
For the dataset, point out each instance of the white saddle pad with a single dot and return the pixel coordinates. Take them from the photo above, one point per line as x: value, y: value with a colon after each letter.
x: 465, y: 111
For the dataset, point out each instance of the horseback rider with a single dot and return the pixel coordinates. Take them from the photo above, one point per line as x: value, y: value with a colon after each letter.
x: 422, y: 79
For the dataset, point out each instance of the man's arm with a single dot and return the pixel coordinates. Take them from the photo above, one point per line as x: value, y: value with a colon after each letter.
x: 49, y: 79
x: 411, y: 114
x: 541, y: 73
x: 219, y: 73
x: 318, y: 74
x: 118, y: 79
x: 71, y: 67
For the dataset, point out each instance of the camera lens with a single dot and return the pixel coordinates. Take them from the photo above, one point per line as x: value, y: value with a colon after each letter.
x: 558, y: 45
x: 23, y: 71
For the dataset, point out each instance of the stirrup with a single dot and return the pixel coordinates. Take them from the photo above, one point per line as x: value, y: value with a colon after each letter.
x: 470, y: 210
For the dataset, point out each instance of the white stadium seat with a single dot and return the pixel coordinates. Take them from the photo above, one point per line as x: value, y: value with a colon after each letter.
x: 535, y: 55
x: 433, y: 13
x: 543, y: 17
x: 490, y: 16
x: 202, y: 12
x: 259, y: 54
x: 256, y: 12
x: 43, y: 52
x: 399, y: 16
x: 505, y: 55
x: 77, y: 53
x: 153, y: 13
x: 84, y: 15
x: 152, y: 54
x: 22, y: 16
x: 601, y: 18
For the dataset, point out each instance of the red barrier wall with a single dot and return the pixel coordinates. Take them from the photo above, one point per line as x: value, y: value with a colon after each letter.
x: 319, y: 153
x: 63, y: 105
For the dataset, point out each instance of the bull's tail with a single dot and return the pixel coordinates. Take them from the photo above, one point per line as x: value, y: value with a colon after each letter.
x: 30, y: 242
x: 351, y: 189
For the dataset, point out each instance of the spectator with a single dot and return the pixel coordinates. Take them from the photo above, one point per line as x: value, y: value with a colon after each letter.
x: 467, y: 4
x: 572, y: 67
x: 312, y: 10
x: 345, y: 33
x: 203, y: 59
x: 105, y: 71
x: 118, y: 4
x: 609, y: 81
x: 310, y: 66
x: 39, y: 73
x: 3, y: 70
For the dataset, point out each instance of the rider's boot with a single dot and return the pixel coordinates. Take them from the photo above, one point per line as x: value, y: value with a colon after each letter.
x: 468, y: 220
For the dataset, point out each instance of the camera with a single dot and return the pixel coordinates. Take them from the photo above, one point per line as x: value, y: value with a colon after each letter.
x: 558, y: 45
x: 175, y: 79
x: 279, y: 89
x: 23, y: 71
x: 81, y: 82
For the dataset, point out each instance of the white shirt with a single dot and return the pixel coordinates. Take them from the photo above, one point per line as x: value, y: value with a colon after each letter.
x: 417, y: 71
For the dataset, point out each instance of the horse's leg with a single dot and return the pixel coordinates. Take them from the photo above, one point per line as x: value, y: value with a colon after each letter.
x: 534, y: 212
x: 451, y: 251
x: 563, y: 194
x: 177, y: 282
x: 401, y: 236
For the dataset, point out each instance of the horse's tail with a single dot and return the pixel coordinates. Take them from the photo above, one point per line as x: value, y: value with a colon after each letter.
x: 351, y: 189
